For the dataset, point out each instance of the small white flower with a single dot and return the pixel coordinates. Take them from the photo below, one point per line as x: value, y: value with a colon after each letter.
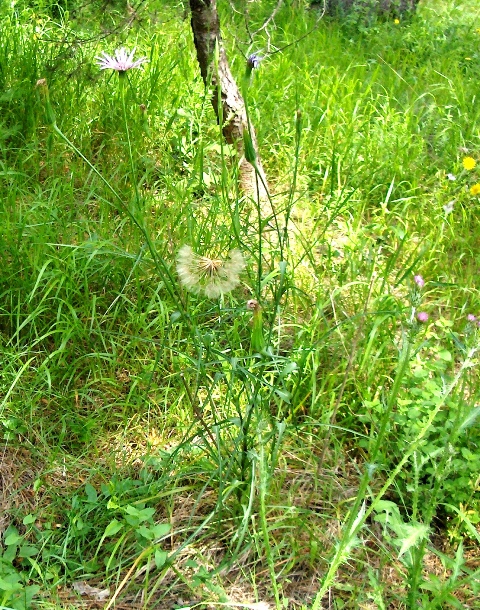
x: 212, y: 276
x: 121, y: 61
x: 448, y: 208
x: 451, y: 177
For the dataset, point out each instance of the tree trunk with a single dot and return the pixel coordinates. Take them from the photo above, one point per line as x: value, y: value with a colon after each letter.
x: 370, y: 7
x: 227, y: 100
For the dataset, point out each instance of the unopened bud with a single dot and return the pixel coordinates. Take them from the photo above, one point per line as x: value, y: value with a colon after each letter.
x: 248, y: 147
x: 42, y: 86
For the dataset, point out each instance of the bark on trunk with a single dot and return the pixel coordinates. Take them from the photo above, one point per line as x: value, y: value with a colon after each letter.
x: 378, y: 7
x: 227, y: 100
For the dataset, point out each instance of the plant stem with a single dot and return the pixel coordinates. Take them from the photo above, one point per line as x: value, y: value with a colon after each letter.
x: 123, y: 90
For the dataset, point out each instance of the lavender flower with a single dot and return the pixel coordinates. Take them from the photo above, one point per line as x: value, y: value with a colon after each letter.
x: 419, y: 281
x: 121, y: 61
x: 471, y: 317
x: 422, y: 316
x: 253, y: 61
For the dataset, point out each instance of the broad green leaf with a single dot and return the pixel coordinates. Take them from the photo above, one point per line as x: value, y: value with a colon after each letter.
x: 91, y: 493
x: 13, y: 538
x: 9, y: 584
x: 142, y: 514
x: 145, y: 532
x: 29, y: 519
x: 112, y: 528
x: 160, y: 558
x: 27, y: 550
x: 161, y: 529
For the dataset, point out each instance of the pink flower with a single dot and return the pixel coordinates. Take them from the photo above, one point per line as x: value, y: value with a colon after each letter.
x: 121, y: 61
x: 471, y: 317
x: 419, y: 281
x: 422, y: 316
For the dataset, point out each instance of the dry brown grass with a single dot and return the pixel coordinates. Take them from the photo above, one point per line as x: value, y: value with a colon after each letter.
x: 304, y: 518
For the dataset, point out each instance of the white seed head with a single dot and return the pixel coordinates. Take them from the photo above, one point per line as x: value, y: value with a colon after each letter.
x: 212, y: 276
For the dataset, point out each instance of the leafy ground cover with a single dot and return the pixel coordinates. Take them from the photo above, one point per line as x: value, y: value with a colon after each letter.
x: 309, y: 439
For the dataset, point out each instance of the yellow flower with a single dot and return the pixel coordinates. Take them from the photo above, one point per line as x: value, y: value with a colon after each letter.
x: 396, y: 21
x: 469, y: 163
x: 475, y: 189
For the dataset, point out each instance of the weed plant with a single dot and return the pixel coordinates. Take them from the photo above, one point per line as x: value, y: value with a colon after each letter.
x: 308, y: 439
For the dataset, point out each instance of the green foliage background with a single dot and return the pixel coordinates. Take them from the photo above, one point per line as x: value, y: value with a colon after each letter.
x: 150, y: 446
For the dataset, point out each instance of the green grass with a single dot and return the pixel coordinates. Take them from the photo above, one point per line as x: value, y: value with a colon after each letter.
x: 150, y: 446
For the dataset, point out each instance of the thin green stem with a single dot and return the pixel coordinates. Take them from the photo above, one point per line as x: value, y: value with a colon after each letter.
x: 298, y: 137
x: 264, y: 524
x: 123, y: 93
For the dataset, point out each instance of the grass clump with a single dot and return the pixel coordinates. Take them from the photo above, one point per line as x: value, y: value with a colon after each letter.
x: 301, y: 432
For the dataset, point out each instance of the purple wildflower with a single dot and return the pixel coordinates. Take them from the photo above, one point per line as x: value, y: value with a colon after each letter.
x: 121, y: 61
x: 471, y: 317
x: 422, y: 316
x: 419, y: 281
x: 253, y: 61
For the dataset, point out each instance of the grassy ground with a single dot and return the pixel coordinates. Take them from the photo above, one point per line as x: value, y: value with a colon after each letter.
x: 163, y: 449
